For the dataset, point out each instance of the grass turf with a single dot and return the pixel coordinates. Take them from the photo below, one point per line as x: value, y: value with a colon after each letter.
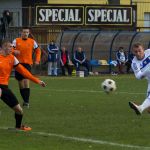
x: 77, y: 107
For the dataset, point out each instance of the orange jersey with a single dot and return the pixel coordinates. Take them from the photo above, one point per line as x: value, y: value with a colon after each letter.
x: 26, y: 48
x: 6, y: 65
x: 22, y: 70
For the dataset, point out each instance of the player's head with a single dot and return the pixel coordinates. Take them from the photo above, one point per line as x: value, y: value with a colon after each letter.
x: 25, y: 32
x: 6, y: 47
x: 138, y: 50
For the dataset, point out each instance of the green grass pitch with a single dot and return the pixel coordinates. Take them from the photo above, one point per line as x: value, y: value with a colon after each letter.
x: 75, y: 114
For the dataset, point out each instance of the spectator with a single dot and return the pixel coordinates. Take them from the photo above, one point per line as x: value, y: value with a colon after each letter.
x: 5, y: 21
x: 121, y: 59
x: 80, y: 59
x: 65, y: 62
x: 52, y: 58
x: 25, y: 47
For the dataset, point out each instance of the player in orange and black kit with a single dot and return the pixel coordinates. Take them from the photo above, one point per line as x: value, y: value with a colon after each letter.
x: 7, y: 63
x: 25, y: 47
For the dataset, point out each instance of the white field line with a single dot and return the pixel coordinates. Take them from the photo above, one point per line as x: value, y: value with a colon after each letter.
x: 86, y: 91
x: 85, y: 140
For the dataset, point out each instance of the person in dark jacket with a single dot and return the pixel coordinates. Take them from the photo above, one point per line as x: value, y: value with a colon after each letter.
x: 5, y: 21
x: 52, y: 58
x: 65, y: 62
x: 80, y: 59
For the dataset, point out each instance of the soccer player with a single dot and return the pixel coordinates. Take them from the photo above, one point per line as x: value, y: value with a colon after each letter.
x: 141, y: 67
x: 7, y: 63
x: 26, y: 47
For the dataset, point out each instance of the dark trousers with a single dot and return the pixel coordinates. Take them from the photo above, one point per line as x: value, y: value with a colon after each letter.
x: 128, y: 64
x: 84, y: 64
x: 69, y: 69
x: 120, y: 68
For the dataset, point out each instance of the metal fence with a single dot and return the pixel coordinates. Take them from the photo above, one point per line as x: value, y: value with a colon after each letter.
x: 96, y: 43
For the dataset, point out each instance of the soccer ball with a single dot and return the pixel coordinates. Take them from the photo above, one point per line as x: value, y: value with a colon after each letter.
x: 108, y: 85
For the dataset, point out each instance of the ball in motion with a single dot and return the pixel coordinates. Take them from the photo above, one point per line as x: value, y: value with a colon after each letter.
x: 108, y: 85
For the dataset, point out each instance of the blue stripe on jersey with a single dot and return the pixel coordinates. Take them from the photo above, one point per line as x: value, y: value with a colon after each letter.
x: 145, y: 62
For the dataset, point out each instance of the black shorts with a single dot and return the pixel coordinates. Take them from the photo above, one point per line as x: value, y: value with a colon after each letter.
x: 20, y: 77
x: 8, y: 97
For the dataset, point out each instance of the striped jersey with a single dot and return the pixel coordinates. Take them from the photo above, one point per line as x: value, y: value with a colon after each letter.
x: 142, y: 67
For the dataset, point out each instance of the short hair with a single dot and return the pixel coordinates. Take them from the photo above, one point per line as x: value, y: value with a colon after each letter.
x: 136, y: 45
x: 25, y: 27
x: 120, y: 47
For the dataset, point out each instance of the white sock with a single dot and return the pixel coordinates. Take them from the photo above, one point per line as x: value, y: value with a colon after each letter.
x: 145, y: 104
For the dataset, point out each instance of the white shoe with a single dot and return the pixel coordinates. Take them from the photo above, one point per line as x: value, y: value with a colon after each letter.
x: 136, y: 108
x: 25, y: 105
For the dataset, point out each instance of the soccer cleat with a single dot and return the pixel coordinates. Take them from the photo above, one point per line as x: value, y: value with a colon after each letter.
x: 135, y: 108
x: 24, y: 128
x: 25, y: 105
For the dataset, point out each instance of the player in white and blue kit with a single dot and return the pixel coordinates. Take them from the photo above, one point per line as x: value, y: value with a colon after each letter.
x: 141, y: 68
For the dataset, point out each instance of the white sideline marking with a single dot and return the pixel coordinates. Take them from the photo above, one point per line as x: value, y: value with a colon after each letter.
x: 86, y: 91
x: 86, y: 140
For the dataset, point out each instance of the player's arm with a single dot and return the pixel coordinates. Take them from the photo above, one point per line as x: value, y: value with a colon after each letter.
x: 28, y: 75
x: 137, y: 72
x: 22, y: 70
x: 37, y: 53
x: 139, y: 75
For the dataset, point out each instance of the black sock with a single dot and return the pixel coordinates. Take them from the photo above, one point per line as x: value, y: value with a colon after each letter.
x: 25, y: 93
x: 18, y: 118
